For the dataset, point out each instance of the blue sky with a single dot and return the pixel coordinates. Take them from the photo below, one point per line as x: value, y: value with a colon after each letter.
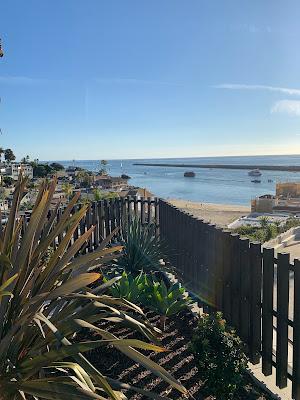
x: 93, y: 79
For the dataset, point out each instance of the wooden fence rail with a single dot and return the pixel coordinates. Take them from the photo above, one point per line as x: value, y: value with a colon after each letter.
x: 105, y: 216
x: 258, y: 294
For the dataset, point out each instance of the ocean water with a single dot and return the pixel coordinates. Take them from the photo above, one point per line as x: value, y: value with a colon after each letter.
x: 209, y: 185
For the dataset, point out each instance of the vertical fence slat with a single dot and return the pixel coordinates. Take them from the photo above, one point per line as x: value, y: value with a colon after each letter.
x: 282, y: 319
x: 245, y: 285
x: 96, y: 224
x: 107, y: 218
x: 226, y: 242
x: 149, y: 202
x: 89, y: 224
x: 267, y: 310
x: 101, y: 220
x: 296, y: 333
x: 219, y: 268
x: 255, y: 311
x: 157, y: 215
x: 235, y: 293
x: 142, y: 211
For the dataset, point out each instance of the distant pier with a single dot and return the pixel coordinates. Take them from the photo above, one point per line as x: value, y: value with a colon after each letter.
x: 289, y: 168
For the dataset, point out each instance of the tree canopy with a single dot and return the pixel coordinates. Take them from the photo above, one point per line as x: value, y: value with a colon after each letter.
x: 9, y: 155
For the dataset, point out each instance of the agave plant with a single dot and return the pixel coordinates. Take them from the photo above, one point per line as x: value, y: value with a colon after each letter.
x: 165, y: 301
x: 143, y: 249
x: 129, y: 287
x: 147, y: 291
x: 45, y: 301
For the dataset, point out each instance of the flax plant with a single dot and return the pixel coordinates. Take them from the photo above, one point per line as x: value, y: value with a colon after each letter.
x: 45, y: 300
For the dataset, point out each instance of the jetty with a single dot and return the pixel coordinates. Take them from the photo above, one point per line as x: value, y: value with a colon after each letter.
x: 289, y: 168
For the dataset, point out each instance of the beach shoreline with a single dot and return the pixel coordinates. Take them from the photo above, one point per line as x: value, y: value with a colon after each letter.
x: 219, y: 214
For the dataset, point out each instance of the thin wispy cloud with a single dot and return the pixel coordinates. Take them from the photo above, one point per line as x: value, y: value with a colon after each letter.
x: 290, y: 107
x: 251, y: 28
x: 234, y: 86
x: 133, y: 81
x: 21, y: 80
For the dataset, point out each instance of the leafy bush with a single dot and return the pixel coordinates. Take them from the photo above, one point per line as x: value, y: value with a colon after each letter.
x: 103, y: 195
x: 8, y: 181
x: 165, y: 301
x: 41, y: 170
x: 154, y: 294
x: 261, y: 234
x: 57, y: 166
x: 46, y: 300
x: 143, y: 250
x: 219, y: 355
x: 129, y: 287
x: 266, y: 231
x: 291, y: 223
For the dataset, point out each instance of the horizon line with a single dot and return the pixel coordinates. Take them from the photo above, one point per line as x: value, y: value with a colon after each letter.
x: 170, y: 158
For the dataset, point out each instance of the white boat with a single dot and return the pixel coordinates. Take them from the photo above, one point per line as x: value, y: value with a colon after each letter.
x: 254, y: 172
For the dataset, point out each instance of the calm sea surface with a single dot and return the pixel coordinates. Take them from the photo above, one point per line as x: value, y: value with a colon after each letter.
x: 209, y: 185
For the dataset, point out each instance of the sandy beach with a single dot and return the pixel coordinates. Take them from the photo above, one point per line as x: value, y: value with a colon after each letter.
x: 220, y: 214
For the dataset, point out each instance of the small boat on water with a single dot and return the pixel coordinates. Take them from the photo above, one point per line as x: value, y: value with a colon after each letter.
x: 189, y: 174
x: 254, y: 172
x: 256, y: 181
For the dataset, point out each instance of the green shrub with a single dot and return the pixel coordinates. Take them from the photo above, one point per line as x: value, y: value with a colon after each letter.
x: 165, y: 301
x: 219, y: 355
x: 143, y: 250
x: 144, y: 289
x: 261, y: 234
x: 129, y: 287
x: 291, y: 223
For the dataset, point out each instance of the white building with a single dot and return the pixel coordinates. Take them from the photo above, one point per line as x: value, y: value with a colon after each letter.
x: 14, y: 169
x: 3, y: 205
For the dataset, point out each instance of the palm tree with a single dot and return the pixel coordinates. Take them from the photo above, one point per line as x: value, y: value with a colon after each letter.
x: 84, y: 178
x: 103, y: 170
x: 97, y: 194
x: 67, y: 188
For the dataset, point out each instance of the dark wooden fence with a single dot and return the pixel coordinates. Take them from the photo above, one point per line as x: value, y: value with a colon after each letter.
x: 258, y: 294
x: 107, y: 215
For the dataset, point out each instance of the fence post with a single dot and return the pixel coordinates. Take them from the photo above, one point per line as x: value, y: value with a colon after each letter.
x: 255, y: 311
x: 236, y: 272
x: 89, y: 224
x: 245, y: 290
x: 157, y: 205
x: 219, y: 268
x: 227, y: 266
x: 142, y: 211
x: 296, y: 333
x: 96, y: 224
x: 267, y: 310
x: 282, y: 319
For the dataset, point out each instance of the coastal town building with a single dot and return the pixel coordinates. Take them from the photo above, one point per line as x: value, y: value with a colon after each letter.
x: 263, y: 204
x: 13, y: 170
x: 288, y: 190
x: 4, y: 205
x: 137, y: 193
x: 106, y: 182
x: 287, y: 199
